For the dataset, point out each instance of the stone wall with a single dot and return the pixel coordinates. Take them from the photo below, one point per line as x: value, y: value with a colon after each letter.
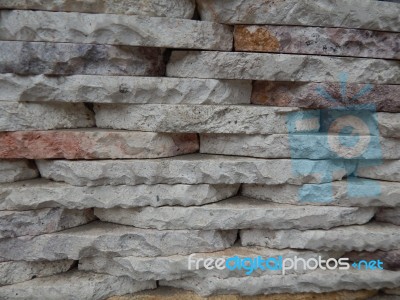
x: 136, y: 133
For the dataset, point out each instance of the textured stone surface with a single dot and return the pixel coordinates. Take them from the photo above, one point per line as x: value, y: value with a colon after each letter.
x: 191, y: 169
x: 388, y: 170
x: 395, y: 291
x: 281, y: 67
x: 313, y: 194
x: 389, y: 124
x: 153, y: 8
x: 389, y: 215
x: 35, y: 194
x: 16, y: 170
x: 27, y: 58
x: 337, y: 13
x: 74, y: 285
x: 304, y: 94
x: 369, y: 237
x: 317, y: 40
x: 124, y: 89
x: 113, y: 30
x: 47, y: 220
x: 297, y: 146
x: 109, y: 239
x: 199, y: 118
x: 178, y: 294
x: 12, y: 272
x: 94, y: 144
x: 176, y: 266
x: 317, y: 281
x: 237, y: 213
x: 390, y: 259
x: 43, y: 116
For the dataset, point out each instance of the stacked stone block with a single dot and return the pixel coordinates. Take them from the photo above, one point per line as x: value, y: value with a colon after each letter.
x: 137, y: 134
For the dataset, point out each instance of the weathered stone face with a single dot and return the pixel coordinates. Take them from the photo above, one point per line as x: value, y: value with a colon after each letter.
x: 312, y: 194
x: 94, y: 144
x: 16, y: 170
x: 295, y: 146
x: 338, y: 13
x: 60, y: 27
x: 317, y: 40
x: 12, y: 272
x: 317, y: 281
x: 47, y: 220
x: 281, y: 67
x: 368, y: 237
x: 30, y: 116
x: 199, y: 118
x: 124, y: 89
x: 98, y: 238
x: 190, y: 169
x: 389, y: 215
x: 27, y: 58
x: 176, y: 266
x: 36, y: 194
x: 154, y: 8
x: 237, y: 213
x: 75, y: 285
x: 304, y: 94
x: 388, y: 170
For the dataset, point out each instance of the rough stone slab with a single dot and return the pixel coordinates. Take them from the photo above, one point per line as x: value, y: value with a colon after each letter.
x: 12, y: 272
x: 61, y: 27
x: 316, y: 282
x: 389, y: 215
x: 297, y: 146
x: 389, y: 124
x: 110, y: 239
x: 304, y: 94
x: 168, y: 293
x: 317, y: 40
x: 34, y: 58
x: 34, y: 194
x: 388, y: 170
x: 367, y: 237
x: 390, y: 259
x: 16, y: 170
x: 311, y: 194
x: 237, y: 213
x: 395, y: 291
x: 281, y: 67
x: 47, y: 220
x: 176, y: 266
x: 200, y: 118
x: 124, y: 89
x: 191, y: 169
x: 325, y: 13
x: 154, y: 8
x: 95, y: 144
x: 43, y: 116
x: 74, y: 285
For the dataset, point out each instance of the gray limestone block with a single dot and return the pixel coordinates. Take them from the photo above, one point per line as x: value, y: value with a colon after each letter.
x: 153, y: 8
x: 237, y: 213
x: 35, y: 58
x: 40, y: 193
x: 124, y: 89
x: 99, y: 238
x: 113, y: 29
